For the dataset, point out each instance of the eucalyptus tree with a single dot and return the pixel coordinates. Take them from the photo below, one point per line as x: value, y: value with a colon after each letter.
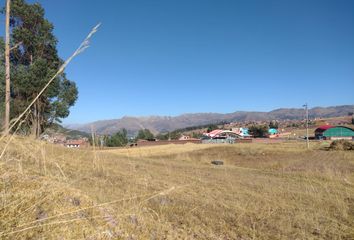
x: 33, y: 63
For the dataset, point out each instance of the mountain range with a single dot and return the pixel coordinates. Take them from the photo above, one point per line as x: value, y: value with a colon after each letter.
x: 160, y: 124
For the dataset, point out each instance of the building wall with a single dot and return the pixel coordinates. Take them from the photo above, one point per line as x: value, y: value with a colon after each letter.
x: 230, y: 141
x: 340, y: 138
x: 165, y: 142
x: 72, y: 145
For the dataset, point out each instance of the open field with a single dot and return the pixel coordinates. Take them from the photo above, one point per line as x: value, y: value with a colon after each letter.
x: 263, y: 191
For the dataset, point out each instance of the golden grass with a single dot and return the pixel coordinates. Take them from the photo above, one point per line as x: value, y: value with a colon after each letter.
x: 263, y: 191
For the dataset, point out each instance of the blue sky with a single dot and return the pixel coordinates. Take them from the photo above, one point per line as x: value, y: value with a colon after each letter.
x: 168, y: 57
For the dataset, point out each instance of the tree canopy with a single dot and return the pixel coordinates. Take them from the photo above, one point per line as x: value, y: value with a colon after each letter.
x: 212, y: 127
x: 119, y: 139
x: 274, y: 124
x: 258, y: 130
x: 144, y: 134
x: 33, y: 63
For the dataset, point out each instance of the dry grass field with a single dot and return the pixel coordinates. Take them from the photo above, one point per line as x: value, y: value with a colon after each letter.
x: 263, y: 191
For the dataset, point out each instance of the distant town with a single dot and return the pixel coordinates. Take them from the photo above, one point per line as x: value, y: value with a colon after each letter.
x: 228, y: 133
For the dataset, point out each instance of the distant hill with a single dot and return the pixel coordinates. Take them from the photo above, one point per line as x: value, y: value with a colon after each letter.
x: 69, y: 133
x: 159, y: 124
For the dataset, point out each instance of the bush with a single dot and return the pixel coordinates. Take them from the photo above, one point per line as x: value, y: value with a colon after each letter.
x: 343, y: 145
x: 258, y: 130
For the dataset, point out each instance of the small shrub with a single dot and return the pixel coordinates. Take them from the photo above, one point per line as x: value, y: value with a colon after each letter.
x: 343, y: 145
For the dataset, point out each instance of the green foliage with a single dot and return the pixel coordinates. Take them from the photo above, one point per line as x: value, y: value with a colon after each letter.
x: 274, y: 124
x: 33, y: 63
x: 312, y: 123
x: 258, y: 130
x: 212, y: 127
x: 144, y: 134
x: 162, y: 136
x: 118, y: 139
x: 294, y: 125
x: 174, y: 135
x: 197, y: 135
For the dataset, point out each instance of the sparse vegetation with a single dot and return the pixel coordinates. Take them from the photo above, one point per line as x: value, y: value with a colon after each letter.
x: 174, y: 135
x: 238, y: 191
x: 195, y: 131
x: 275, y: 191
x: 344, y: 145
x: 70, y: 134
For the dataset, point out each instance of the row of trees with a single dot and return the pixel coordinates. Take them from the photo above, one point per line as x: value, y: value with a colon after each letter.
x: 33, y: 62
x: 121, y: 138
x: 118, y: 139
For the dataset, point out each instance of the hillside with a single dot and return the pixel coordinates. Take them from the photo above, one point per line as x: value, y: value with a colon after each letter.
x: 56, y: 129
x: 165, y: 123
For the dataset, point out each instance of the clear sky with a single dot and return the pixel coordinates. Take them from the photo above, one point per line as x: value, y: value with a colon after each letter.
x: 168, y: 57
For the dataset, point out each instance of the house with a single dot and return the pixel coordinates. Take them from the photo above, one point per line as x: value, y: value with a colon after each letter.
x: 222, y: 134
x: 76, y: 143
x: 226, y: 136
x: 320, y: 130
x: 184, y: 137
x: 333, y: 133
x: 187, y: 138
x: 273, y: 133
x: 54, y: 138
x: 243, y: 132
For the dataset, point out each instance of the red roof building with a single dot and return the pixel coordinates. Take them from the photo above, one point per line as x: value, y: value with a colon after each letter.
x: 220, y: 133
x: 319, y: 131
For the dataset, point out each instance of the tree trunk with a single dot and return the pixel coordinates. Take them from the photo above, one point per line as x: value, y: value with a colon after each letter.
x: 34, y: 121
x: 36, y: 128
x: 7, y: 69
x: 39, y: 121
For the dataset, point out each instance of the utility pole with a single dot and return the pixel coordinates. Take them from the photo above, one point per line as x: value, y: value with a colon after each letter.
x: 7, y: 69
x: 307, y: 125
